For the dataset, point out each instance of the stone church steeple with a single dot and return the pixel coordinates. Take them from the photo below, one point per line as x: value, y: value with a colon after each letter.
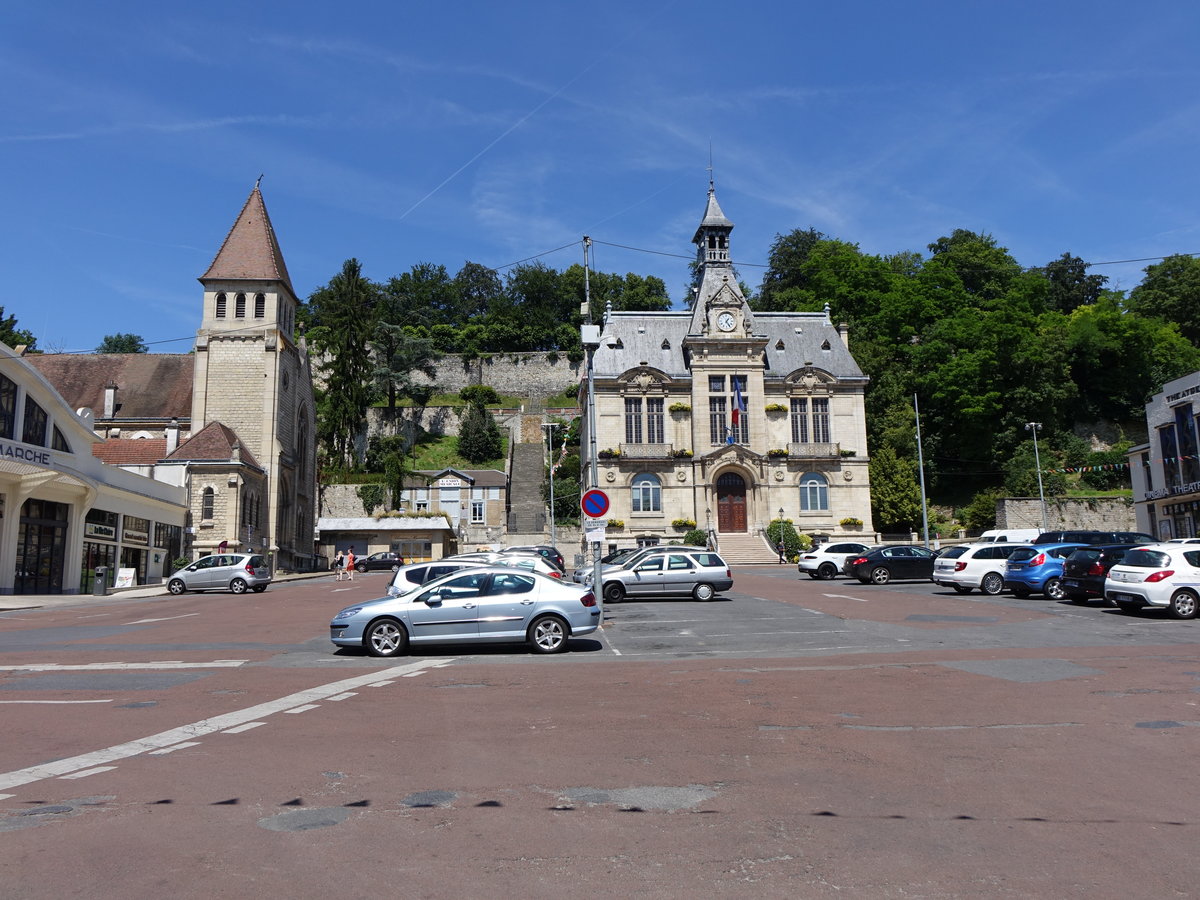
x: 718, y: 303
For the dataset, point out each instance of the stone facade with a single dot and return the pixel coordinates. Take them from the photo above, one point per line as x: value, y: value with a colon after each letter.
x: 1165, y: 471
x: 1080, y: 513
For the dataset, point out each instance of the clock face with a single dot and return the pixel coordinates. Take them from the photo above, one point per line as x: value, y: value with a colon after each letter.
x: 725, y: 321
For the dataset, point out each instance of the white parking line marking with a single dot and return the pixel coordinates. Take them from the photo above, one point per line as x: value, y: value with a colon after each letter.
x: 86, y: 772
x: 61, y: 767
x: 124, y: 666
x: 240, y: 728
x: 305, y: 708
x: 164, y: 619
x: 344, y: 696
x: 846, y: 597
x: 381, y: 684
x: 166, y: 750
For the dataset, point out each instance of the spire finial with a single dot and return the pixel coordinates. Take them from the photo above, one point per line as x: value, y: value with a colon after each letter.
x: 711, y: 186
x: 257, y: 182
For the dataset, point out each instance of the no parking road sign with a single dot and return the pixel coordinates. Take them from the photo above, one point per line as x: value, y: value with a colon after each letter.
x: 594, y: 503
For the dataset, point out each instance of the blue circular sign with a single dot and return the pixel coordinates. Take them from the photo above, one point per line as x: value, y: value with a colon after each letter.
x: 594, y: 503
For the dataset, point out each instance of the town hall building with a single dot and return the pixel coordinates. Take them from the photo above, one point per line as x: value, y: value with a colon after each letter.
x: 724, y: 419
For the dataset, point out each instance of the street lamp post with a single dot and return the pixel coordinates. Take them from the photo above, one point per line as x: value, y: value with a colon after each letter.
x: 1037, y: 461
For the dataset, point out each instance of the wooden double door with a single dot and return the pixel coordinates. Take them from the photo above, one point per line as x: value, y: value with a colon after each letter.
x: 731, y: 503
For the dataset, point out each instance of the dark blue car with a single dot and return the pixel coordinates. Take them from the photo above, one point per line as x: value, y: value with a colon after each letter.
x: 1038, y: 570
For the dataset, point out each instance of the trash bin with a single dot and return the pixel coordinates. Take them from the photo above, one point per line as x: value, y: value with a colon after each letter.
x: 100, y: 584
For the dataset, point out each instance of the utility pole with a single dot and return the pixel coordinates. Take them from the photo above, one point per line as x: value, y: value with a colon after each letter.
x: 1037, y: 461
x: 921, y: 469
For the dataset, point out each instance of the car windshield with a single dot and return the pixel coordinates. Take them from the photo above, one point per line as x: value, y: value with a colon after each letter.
x: 1021, y: 554
x: 1085, y: 555
x: 1146, y: 559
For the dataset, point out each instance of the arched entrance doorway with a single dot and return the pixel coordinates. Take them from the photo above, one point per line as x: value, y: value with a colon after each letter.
x: 731, y: 502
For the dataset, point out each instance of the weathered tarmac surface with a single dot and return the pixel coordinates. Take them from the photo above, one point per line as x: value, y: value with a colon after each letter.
x: 793, y: 739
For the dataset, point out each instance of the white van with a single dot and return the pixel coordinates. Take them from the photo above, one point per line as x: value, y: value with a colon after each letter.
x: 1008, y: 536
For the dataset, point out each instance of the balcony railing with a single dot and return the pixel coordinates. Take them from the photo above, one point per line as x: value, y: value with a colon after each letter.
x: 646, y: 451
x: 814, y: 451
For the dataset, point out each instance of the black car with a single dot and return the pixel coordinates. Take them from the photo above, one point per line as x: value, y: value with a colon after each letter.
x: 385, y: 559
x: 880, y: 565
x: 1085, y: 569
x: 1094, y: 537
x: 545, y: 550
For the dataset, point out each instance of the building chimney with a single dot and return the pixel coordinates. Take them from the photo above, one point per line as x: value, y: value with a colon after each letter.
x: 172, y: 436
x: 843, y: 332
x: 110, y: 400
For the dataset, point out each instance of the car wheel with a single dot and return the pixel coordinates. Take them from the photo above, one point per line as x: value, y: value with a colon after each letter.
x: 827, y: 571
x: 1021, y: 592
x: 614, y: 592
x: 991, y: 584
x: 880, y: 575
x: 175, y: 586
x: 1182, y: 605
x: 259, y: 588
x: 1128, y: 606
x: 395, y: 567
x: 1054, y: 589
x: 385, y: 637
x: 962, y: 589
x: 361, y: 569
x: 1077, y: 598
x: 548, y: 634
x: 238, y: 586
x: 703, y: 592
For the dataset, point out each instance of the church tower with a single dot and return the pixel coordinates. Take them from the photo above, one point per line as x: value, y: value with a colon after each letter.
x: 254, y: 377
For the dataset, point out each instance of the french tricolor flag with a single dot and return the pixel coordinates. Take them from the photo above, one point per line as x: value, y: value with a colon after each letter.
x: 739, y: 402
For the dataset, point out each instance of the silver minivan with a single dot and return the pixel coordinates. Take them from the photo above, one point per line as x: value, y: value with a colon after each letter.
x: 679, y: 572
x: 237, y: 572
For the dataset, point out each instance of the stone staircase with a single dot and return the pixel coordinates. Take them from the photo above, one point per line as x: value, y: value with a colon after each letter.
x: 527, y: 509
x: 745, y: 550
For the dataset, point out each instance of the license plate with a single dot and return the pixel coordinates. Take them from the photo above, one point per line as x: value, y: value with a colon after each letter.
x: 1120, y: 597
x: 1070, y: 582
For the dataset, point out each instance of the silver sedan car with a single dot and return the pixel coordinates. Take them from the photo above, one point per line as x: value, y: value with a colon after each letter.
x: 488, y: 604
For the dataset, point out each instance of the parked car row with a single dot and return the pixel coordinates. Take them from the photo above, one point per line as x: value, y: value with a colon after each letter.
x: 1130, y: 573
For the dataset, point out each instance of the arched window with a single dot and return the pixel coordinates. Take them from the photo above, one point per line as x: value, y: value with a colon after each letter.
x: 220, y: 306
x: 647, y: 493
x: 206, y: 503
x: 239, y: 307
x: 33, y: 431
x: 814, y: 492
x: 302, y: 448
x: 260, y: 306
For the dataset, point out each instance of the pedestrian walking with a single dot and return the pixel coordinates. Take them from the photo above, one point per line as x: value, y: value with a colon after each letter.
x: 781, y: 550
x: 350, y: 563
x: 339, y: 562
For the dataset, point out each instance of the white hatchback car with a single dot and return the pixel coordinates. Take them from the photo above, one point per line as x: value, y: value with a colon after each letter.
x: 826, y: 561
x: 1161, y: 575
x: 966, y: 567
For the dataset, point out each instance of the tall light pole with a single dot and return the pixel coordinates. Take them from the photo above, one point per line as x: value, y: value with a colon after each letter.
x: 921, y: 470
x: 1037, y: 461
x: 550, y: 426
x: 590, y: 334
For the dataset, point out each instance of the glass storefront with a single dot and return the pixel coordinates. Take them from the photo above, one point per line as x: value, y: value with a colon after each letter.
x: 41, y: 544
x: 97, y: 554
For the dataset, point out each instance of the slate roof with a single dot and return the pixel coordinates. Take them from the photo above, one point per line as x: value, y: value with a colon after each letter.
x: 250, y: 250
x: 642, y: 336
x: 713, y: 216
x: 130, y: 452
x: 213, y: 443
x: 149, y: 385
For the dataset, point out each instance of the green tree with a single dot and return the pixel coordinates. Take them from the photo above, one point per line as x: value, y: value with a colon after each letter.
x: 1171, y: 291
x: 13, y: 336
x: 122, y: 343
x: 1070, y: 285
x: 343, y: 315
x: 399, y: 358
x: 895, y: 492
x: 478, y: 435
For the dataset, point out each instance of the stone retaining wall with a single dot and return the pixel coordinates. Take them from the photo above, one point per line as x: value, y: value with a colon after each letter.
x: 1091, y: 513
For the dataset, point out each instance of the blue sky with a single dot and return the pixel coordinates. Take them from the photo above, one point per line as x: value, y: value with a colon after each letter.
x: 402, y: 132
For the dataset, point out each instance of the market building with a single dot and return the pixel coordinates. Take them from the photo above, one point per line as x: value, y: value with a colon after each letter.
x: 63, y: 511
x: 233, y: 423
x: 1165, y: 471
x: 723, y: 418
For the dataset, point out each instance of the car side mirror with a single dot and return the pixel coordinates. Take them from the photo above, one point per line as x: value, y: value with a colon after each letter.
x: 393, y: 591
x: 433, y: 597
x: 191, y: 568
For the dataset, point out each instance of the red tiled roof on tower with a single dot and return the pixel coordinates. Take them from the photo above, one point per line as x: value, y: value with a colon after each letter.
x: 250, y: 250
x: 214, y: 443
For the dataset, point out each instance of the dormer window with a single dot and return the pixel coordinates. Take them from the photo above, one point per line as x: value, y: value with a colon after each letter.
x: 825, y: 346
x: 666, y: 345
x: 779, y: 345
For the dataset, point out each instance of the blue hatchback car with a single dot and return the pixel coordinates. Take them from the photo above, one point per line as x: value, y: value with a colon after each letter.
x: 1038, y: 570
